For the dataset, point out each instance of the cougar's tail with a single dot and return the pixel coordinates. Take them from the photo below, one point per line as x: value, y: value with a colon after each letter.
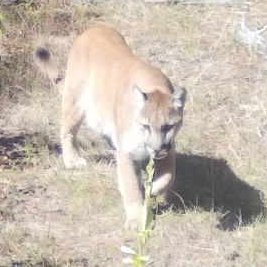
x: 44, y: 60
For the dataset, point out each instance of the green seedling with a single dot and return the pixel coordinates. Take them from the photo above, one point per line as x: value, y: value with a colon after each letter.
x: 140, y: 258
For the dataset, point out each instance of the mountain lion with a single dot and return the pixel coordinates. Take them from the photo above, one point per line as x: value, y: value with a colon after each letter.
x: 132, y: 103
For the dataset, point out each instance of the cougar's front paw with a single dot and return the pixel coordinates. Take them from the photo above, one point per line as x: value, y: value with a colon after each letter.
x: 132, y: 225
x: 75, y: 163
x: 134, y: 214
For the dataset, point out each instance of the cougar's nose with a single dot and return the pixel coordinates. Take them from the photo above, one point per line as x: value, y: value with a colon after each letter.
x: 160, y: 154
x: 166, y: 147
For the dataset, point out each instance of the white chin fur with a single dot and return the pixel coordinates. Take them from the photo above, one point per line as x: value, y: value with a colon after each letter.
x: 160, y: 157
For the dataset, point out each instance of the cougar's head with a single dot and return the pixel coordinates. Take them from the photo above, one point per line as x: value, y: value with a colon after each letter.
x: 160, y: 118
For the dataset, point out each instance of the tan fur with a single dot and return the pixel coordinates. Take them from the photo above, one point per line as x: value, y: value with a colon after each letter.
x: 126, y: 99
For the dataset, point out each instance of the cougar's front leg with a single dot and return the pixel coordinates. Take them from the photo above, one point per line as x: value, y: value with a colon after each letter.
x: 130, y: 188
x: 164, y: 174
x: 72, y: 117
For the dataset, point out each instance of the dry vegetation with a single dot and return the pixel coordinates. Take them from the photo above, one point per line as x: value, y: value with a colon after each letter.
x: 53, y: 217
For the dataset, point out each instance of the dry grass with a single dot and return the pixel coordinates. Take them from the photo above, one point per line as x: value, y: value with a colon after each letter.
x: 53, y: 217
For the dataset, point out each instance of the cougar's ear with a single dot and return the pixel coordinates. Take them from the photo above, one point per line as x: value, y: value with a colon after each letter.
x: 140, y: 96
x: 179, y: 96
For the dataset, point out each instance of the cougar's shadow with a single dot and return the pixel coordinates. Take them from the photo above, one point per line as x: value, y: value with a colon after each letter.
x: 210, y: 184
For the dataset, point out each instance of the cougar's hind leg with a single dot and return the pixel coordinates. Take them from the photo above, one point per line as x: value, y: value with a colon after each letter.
x: 72, y: 118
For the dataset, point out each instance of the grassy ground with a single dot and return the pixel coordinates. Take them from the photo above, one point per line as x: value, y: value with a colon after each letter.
x: 53, y: 217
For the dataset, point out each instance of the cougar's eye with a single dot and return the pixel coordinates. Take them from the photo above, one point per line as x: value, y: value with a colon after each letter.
x: 146, y: 127
x: 167, y: 127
